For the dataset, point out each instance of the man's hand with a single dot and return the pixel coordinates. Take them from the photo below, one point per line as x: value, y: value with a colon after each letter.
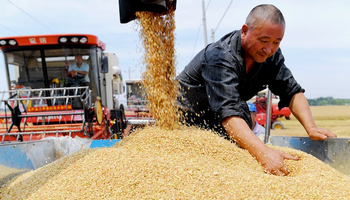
x: 320, y: 134
x: 272, y: 161
x: 72, y: 73
x: 301, y: 110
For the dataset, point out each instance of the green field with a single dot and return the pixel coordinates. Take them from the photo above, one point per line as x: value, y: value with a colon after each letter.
x: 334, y: 118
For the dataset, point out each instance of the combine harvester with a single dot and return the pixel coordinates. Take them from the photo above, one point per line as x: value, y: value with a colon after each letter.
x: 44, y: 108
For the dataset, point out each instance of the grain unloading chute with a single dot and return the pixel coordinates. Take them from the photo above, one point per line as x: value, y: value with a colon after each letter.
x: 128, y: 8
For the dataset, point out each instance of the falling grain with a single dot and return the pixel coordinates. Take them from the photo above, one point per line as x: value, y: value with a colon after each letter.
x: 157, y: 35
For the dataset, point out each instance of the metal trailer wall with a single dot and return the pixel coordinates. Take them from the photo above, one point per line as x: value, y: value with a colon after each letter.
x: 35, y: 154
x: 334, y: 151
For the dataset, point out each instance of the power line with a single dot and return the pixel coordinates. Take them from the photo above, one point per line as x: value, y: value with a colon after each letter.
x: 207, y: 6
x: 32, y: 17
x: 199, y: 29
x: 9, y: 29
x: 196, y: 40
x: 223, y: 15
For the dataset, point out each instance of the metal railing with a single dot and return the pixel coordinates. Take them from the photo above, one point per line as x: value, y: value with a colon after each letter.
x: 32, y: 104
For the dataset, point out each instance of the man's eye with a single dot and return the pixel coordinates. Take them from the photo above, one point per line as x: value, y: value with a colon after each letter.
x: 264, y: 41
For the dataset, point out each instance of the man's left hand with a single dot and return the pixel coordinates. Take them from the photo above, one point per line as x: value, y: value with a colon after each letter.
x: 320, y: 134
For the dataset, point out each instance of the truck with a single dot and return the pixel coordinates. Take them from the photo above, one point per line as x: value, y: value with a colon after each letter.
x: 137, y: 112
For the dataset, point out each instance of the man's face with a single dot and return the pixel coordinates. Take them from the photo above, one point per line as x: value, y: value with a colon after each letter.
x: 261, y: 42
x: 78, y: 60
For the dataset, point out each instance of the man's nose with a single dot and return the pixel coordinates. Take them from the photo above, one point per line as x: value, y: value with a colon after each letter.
x: 267, y: 49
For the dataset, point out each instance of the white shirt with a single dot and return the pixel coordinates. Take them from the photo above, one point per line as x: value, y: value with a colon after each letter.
x: 83, y: 67
x: 259, y: 131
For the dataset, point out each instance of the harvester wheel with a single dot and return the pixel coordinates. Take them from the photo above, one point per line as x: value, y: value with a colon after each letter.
x: 98, y: 111
x: 122, y: 115
x: 277, y: 125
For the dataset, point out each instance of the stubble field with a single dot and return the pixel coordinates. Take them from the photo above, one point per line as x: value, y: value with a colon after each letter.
x: 334, y: 118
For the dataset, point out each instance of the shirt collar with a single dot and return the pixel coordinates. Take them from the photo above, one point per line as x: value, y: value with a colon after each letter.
x: 237, y: 48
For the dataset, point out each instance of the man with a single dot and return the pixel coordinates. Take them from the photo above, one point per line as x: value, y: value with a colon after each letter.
x: 216, y: 84
x: 79, y: 72
x: 257, y: 129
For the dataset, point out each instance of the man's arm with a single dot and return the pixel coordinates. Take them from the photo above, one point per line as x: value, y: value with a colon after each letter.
x: 84, y: 69
x: 270, y: 159
x: 82, y: 72
x: 301, y: 110
x: 70, y: 71
x: 75, y: 73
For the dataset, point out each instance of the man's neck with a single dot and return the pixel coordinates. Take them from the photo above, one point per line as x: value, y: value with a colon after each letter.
x: 249, y: 63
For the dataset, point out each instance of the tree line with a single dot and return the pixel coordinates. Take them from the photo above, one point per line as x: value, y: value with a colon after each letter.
x: 325, y: 101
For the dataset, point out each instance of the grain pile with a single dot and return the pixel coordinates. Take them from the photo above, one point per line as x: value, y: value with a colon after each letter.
x: 176, y: 164
x: 7, y: 173
x: 157, y: 36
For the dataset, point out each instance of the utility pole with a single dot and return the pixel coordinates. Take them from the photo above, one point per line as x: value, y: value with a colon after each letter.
x: 204, y: 25
x: 212, y: 36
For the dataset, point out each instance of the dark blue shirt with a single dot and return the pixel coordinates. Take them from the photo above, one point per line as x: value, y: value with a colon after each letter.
x: 215, y: 85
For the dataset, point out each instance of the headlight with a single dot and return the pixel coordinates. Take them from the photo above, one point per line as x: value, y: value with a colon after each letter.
x: 12, y: 42
x: 2, y: 42
x: 83, y: 40
x: 74, y: 39
x: 63, y: 39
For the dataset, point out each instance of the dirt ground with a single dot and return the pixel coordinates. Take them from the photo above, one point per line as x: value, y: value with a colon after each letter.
x: 334, y: 118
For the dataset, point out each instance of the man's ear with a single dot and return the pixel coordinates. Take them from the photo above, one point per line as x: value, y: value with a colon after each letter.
x: 245, y: 29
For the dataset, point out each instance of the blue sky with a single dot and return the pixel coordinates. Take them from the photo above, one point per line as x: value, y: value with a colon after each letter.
x: 316, y: 44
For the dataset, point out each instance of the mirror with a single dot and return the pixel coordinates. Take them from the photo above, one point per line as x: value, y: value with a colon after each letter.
x: 104, y: 64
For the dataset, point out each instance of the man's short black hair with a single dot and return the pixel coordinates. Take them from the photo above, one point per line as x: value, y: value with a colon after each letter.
x: 264, y: 12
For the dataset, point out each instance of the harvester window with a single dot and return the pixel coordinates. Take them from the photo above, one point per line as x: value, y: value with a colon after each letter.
x: 59, y: 62
x: 78, y: 72
x: 25, y: 70
x: 48, y: 68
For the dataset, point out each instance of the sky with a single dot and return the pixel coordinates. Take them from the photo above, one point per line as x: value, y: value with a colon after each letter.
x: 316, y: 44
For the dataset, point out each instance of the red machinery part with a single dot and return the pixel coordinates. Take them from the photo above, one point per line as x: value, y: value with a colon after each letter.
x: 260, y: 105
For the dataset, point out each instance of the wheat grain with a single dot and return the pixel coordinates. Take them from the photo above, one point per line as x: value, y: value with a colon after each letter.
x: 184, y: 163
